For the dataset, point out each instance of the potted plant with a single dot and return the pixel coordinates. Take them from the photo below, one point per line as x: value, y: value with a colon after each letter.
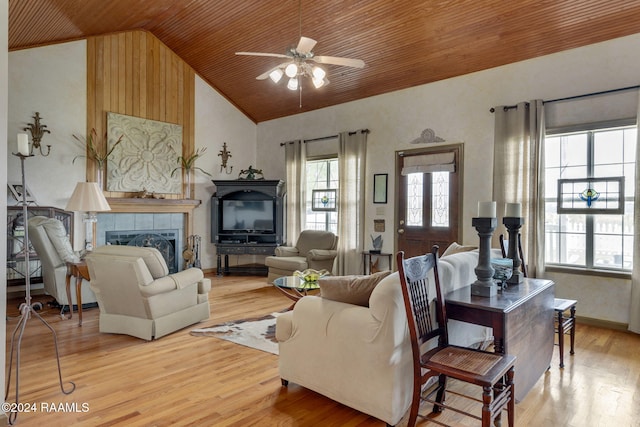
x: 188, y: 166
x: 97, y: 151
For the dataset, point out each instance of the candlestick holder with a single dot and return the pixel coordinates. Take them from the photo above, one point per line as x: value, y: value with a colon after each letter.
x: 27, y: 310
x: 485, y: 285
x: 513, y: 225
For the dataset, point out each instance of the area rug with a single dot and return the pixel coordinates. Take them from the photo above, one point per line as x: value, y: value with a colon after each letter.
x: 258, y: 333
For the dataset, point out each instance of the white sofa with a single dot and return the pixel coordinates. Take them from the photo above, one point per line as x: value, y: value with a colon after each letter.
x: 361, y: 356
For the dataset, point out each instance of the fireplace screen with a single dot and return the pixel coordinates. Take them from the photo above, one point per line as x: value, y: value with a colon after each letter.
x: 164, y: 241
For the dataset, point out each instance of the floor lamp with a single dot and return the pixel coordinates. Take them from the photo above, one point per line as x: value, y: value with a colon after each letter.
x: 27, y: 309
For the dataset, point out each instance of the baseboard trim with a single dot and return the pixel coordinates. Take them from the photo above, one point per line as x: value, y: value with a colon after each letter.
x: 602, y: 323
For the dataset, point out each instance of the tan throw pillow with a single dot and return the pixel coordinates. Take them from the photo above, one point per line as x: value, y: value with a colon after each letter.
x: 455, y: 248
x: 350, y: 289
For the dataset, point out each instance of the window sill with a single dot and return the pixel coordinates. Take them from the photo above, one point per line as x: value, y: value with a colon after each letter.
x: 588, y: 272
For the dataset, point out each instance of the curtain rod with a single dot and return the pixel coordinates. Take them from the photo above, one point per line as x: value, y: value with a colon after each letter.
x: 324, y: 138
x: 568, y: 98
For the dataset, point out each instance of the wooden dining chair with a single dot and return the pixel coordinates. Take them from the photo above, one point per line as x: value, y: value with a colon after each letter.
x: 433, y: 356
x: 504, y: 248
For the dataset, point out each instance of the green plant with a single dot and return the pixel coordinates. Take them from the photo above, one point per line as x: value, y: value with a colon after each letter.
x: 188, y: 163
x: 96, y: 151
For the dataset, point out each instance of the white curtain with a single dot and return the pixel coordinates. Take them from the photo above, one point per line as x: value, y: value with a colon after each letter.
x: 351, y: 166
x: 295, y: 161
x: 518, y: 176
x: 634, y: 309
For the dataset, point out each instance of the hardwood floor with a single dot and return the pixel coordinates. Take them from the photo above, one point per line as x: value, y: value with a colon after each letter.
x: 185, y: 380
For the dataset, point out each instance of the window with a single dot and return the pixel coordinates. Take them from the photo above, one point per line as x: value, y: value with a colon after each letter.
x: 439, y: 212
x: 321, y: 175
x: 600, y: 240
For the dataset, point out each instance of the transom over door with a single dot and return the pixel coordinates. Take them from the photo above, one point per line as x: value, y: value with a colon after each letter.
x: 429, y: 195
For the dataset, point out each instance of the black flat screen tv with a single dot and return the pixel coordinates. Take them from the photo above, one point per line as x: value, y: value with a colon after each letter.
x: 248, y: 216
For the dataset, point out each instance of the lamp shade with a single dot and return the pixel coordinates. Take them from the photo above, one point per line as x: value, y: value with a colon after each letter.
x: 87, y: 197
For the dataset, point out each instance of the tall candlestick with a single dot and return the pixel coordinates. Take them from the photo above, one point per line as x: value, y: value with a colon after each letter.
x: 486, y: 209
x: 485, y: 285
x: 23, y: 144
x: 513, y: 210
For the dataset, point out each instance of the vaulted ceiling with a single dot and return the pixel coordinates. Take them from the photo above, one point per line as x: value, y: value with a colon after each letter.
x: 404, y: 43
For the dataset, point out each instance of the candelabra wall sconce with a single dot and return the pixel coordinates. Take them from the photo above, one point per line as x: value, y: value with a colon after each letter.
x: 225, y: 154
x: 37, y: 132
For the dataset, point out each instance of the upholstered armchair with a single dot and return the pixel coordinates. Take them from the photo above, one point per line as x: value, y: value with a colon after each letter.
x: 51, y: 242
x: 137, y: 296
x: 314, y: 249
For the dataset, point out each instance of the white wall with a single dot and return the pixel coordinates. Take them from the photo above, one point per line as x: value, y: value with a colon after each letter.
x: 218, y: 121
x: 52, y: 81
x: 458, y: 110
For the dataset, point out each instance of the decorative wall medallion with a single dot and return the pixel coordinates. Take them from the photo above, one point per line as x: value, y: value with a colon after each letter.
x: 148, y: 153
x: 428, y: 136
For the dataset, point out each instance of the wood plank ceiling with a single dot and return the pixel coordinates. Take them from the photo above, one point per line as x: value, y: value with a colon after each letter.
x: 404, y: 43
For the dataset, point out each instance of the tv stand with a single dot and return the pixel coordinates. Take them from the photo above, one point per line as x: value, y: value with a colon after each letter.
x: 252, y: 240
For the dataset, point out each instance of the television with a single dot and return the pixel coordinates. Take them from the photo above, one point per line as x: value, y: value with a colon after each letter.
x: 248, y: 216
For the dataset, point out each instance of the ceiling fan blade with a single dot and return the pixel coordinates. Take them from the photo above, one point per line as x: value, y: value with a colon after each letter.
x: 335, y: 60
x: 305, y: 45
x: 265, y: 75
x: 276, y: 55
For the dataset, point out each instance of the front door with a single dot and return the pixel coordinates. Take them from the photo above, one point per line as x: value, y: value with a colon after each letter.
x: 429, y: 195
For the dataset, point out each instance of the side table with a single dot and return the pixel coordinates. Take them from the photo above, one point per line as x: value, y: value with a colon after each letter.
x: 80, y: 271
x: 565, y: 324
x: 367, y: 259
x: 294, y: 287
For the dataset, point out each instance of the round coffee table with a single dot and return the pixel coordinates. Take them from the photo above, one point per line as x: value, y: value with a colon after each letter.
x: 294, y: 287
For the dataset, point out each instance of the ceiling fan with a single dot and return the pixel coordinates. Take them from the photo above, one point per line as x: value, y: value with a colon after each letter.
x: 298, y: 64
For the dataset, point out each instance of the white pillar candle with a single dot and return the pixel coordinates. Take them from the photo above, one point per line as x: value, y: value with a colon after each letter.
x: 513, y: 210
x: 23, y: 144
x: 486, y: 209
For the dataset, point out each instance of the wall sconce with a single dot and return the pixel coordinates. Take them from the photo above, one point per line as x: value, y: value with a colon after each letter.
x: 224, y: 154
x: 37, y: 131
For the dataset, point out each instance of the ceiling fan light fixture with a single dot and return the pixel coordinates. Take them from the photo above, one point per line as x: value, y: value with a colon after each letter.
x: 318, y: 83
x: 318, y: 73
x: 293, y: 83
x: 291, y: 70
x: 276, y: 75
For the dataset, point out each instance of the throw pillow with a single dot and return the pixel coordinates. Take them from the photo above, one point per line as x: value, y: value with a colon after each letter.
x: 455, y: 248
x: 351, y: 289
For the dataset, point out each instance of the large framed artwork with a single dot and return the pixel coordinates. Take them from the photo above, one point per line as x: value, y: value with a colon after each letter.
x: 146, y: 156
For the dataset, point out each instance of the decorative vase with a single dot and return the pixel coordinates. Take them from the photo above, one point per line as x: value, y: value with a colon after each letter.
x: 187, y: 183
x: 100, y: 175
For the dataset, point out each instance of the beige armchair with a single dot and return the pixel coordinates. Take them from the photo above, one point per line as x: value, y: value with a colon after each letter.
x: 51, y: 242
x: 137, y: 296
x: 314, y: 249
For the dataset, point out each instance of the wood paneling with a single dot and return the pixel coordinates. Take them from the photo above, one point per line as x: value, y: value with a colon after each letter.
x: 135, y: 74
x: 404, y: 43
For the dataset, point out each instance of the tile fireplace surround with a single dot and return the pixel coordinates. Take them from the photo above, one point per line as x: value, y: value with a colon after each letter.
x: 148, y: 215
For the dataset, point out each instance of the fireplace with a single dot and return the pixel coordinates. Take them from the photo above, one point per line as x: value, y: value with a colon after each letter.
x: 165, y: 241
x: 133, y: 216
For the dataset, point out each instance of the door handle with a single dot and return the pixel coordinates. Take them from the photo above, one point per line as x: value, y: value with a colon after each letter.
x: 400, y: 230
